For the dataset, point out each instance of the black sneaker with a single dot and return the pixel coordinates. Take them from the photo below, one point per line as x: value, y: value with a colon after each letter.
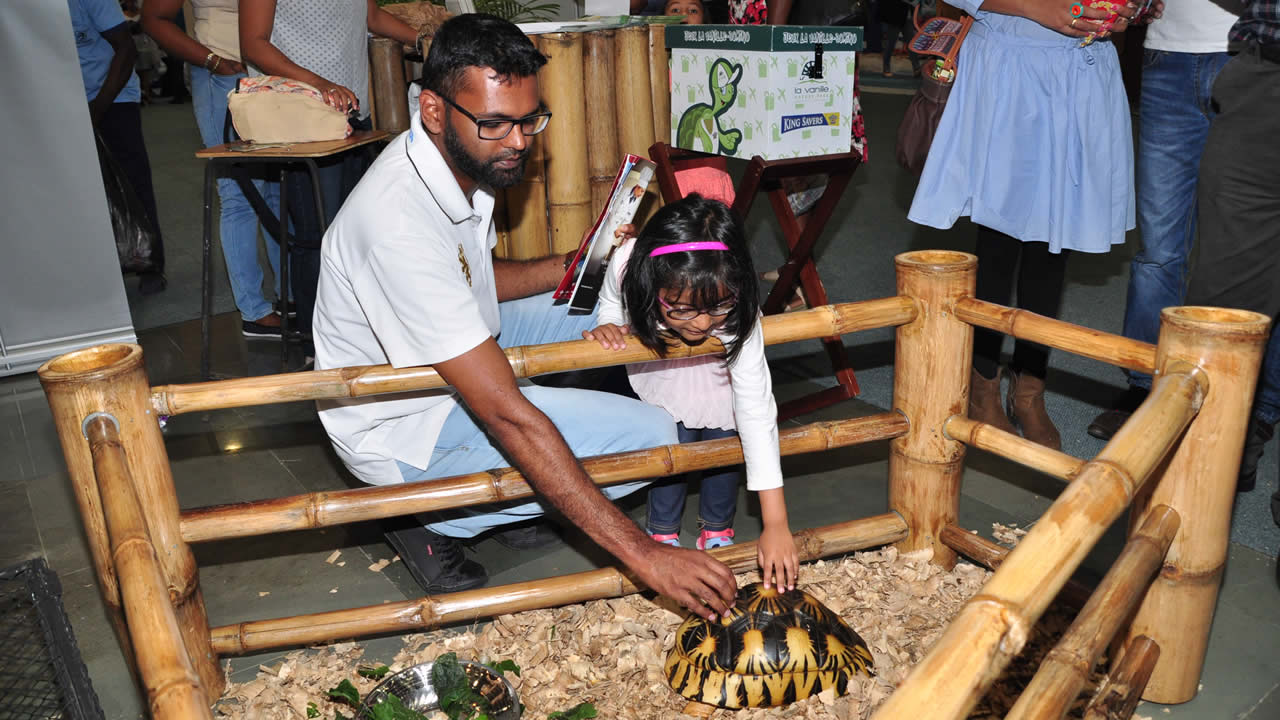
x: 252, y: 329
x: 1255, y: 439
x: 293, y: 309
x: 527, y: 537
x: 1275, y: 506
x: 435, y: 561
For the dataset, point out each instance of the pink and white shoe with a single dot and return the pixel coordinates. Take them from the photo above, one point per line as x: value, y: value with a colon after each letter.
x: 711, y: 539
x: 673, y: 539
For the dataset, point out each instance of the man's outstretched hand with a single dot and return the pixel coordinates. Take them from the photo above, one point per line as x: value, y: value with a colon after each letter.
x: 693, y: 578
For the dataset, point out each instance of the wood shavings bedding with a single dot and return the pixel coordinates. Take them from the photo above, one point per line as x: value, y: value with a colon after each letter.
x: 611, y: 652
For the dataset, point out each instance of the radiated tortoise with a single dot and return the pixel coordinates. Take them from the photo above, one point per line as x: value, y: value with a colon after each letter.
x: 772, y: 648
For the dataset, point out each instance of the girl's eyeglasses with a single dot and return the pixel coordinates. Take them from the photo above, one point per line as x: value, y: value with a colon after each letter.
x: 689, y: 313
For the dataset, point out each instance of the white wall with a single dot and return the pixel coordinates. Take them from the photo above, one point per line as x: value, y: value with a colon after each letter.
x: 60, y: 283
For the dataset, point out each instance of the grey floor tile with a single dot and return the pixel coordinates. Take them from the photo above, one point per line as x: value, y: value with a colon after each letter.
x: 19, y: 536
x: 57, y: 517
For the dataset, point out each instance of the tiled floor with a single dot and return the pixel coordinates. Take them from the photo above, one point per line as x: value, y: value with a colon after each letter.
x: 281, y: 450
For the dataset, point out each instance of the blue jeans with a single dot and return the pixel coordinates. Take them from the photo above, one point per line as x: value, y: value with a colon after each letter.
x: 591, y: 423
x: 238, y: 224
x: 717, y: 499
x: 1176, y: 110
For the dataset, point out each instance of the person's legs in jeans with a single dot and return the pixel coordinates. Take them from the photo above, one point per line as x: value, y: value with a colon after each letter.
x: 718, y: 495
x: 717, y: 499
x: 121, y: 129
x: 1239, y: 197
x: 337, y: 177
x: 238, y: 223
x: 1175, y: 115
x: 591, y: 423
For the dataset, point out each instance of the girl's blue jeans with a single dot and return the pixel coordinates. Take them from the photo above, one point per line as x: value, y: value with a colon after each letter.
x: 717, y: 499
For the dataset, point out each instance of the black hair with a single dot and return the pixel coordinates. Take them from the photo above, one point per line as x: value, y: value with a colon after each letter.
x: 709, y: 274
x: 477, y: 40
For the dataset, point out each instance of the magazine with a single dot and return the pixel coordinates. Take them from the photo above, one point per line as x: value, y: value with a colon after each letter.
x: 582, y: 282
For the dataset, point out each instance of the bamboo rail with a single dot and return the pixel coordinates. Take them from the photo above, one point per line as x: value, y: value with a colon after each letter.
x: 993, y: 626
x: 528, y: 361
x: 568, y: 188
x: 1007, y: 445
x: 470, y: 605
x: 635, y: 103
x: 928, y: 387
x: 172, y: 683
x: 1199, y: 482
x: 660, y: 83
x: 387, y: 84
x: 112, y: 379
x: 1059, y: 334
x: 603, y: 157
x: 991, y: 556
x: 1119, y: 696
x: 315, y: 510
x: 1065, y: 670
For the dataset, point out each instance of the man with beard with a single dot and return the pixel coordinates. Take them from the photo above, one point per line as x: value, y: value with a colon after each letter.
x: 408, y: 278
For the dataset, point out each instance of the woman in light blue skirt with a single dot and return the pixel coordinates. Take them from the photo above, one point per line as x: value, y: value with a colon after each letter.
x: 1036, y: 148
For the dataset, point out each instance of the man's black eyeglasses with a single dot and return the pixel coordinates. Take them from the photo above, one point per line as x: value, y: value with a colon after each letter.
x: 497, y: 128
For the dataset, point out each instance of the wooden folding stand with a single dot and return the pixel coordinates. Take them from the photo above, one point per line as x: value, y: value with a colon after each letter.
x: 799, y: 270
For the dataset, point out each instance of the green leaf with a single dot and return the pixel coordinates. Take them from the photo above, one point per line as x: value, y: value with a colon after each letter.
x: 391, y: 708
x: 373, y: 673
x: 581, y: 711
x: 506, y: 666
x: 312, y: 710
x: 345, y: 692
x: 453, y: 689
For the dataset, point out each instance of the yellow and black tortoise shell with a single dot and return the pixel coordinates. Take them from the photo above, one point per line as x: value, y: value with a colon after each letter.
x: 770, y: 649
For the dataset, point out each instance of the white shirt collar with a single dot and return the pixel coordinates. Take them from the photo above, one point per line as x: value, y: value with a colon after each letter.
x: 428, y: 161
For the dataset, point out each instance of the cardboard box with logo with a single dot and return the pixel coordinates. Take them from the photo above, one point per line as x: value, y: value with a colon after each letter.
x: 780, y: 91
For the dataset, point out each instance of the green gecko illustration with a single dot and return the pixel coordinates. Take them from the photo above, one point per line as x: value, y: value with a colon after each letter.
x: 700, y: 123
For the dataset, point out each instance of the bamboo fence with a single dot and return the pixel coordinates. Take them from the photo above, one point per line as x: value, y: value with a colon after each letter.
x: 1188, y: 434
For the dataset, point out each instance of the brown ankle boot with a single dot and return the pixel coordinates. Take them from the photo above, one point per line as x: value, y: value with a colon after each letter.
x: 984, y: 402
x: 1026, y: 407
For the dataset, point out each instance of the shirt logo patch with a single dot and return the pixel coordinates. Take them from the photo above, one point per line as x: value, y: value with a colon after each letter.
x: 466, y: 268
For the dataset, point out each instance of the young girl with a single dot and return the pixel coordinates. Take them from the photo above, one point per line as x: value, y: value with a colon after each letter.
x: 686, y: 278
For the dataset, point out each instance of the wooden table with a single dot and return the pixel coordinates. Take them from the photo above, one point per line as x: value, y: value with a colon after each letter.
x: 799, y: 270
x: 231, y: 159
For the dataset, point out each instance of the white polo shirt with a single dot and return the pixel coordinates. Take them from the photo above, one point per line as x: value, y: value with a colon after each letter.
x: 394, y: 288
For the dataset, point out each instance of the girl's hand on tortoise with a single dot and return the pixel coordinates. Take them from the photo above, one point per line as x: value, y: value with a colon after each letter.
x: 778, y: 558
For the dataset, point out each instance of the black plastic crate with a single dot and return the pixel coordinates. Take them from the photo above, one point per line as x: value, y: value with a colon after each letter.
x: 42, y: 675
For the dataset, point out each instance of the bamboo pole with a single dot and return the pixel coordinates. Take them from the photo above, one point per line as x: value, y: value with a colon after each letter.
x: 1200, y: 483
x: 112, y: 379
x: 991, y: 556
x: 660, y: 82
x: 1065, y: 670
x: 326, y: 509
x: 1058, y: 334
x: 603, y: 157
x: 471, y: 605
x: 172, y: 684
x: 527, y: 361
x: 1121, y: 693
x: 501, y: 225
x: 994, y: 625
x: 1007, y: 445
x: 526, y: 201
x: 930, y: 384
x: 387, y: 84
x: 635, y: 103
x: 568, y: 188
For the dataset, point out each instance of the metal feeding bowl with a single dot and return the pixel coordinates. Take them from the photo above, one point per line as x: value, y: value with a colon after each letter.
x: 413, y: 687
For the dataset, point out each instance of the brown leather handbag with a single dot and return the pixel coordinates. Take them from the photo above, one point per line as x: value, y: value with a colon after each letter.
x: 940, y: 37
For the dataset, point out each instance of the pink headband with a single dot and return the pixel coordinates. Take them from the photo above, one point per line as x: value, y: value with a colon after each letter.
x: 689, y: 246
